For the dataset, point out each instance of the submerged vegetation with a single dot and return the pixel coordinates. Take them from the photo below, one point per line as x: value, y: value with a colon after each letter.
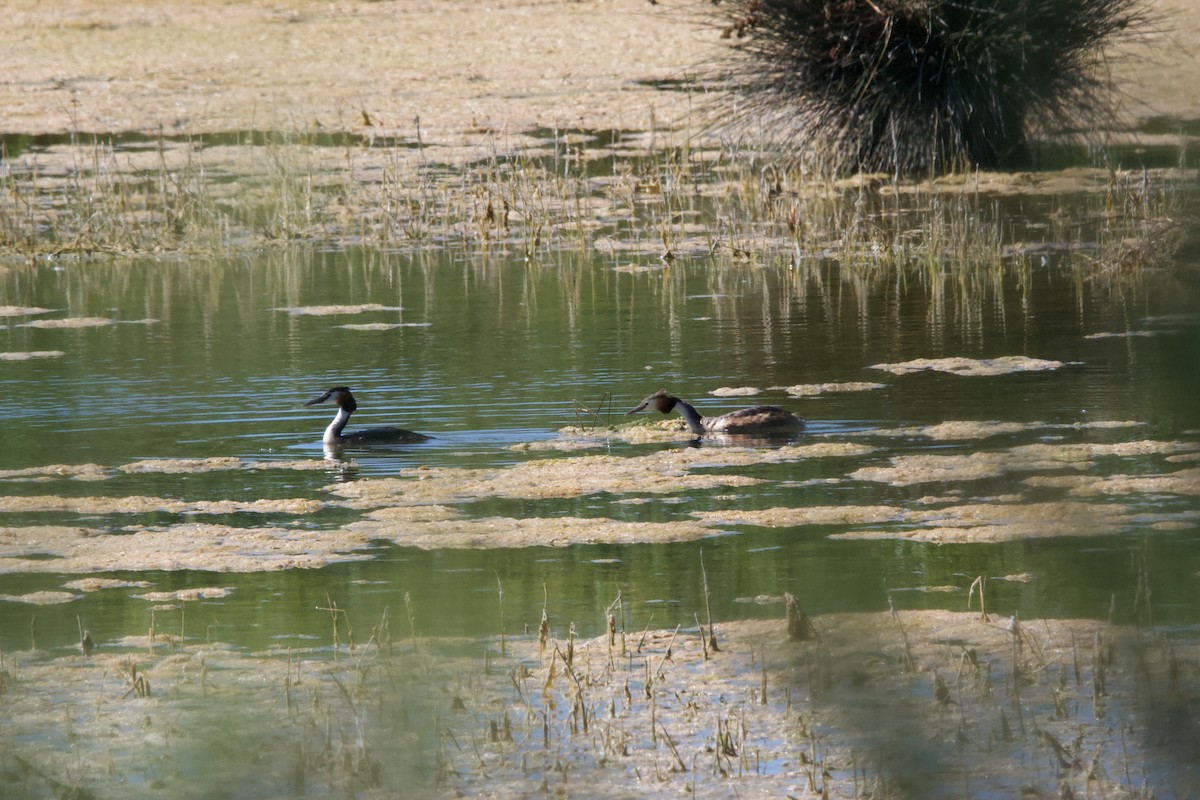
x: 876, y: 705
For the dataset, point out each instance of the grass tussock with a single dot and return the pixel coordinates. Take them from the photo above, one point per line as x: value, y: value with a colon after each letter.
x: 922, y: 86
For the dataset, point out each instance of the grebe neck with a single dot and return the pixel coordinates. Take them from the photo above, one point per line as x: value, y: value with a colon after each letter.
x: 333, y: 434
x: 694, y: 421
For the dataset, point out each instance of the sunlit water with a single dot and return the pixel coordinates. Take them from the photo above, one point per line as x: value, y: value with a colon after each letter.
x: 210, y: 359
x: 487, y: 353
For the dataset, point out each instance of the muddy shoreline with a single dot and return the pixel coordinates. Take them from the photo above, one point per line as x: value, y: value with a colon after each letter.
x: 454, y: 70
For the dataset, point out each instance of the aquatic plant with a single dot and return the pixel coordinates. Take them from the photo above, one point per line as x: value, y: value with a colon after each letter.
x: 921, y: 85
x: 533, y: 200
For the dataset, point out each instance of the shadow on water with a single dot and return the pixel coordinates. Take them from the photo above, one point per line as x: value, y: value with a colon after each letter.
x: 14, y: 145
x: 1045, y: 155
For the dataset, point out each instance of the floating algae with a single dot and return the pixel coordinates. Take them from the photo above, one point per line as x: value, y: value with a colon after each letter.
x: 972, y: 522
x: 22, y: 311
x: 567, y: 443
x: 84, y: 322
x: 531, y: 480
x: 383, y: 326
x: 736, y: 391
x: 173, y: 466
x: 497, y: 532
x: 188, y: 595
x: 1086, y: 451
x: 962, y: 430
x: 44, y: 598
x: 574, y: 438
x: 675, y: 430
x: 1122, y: 334
x: 69, y: 322
x: 30, y: 355
x: 148, y: 505
x: 418, y: 508
x: 97, y: 584
x: 79, y: 471
x: 1003, y: 522
x: 183, y: 465
x: 302, y: 465
x: 814, y: 389
x: 190, y: 546
x: 906, y: 470
x: 166, y: 466
x: 812, y: 515
x: 334, y: 310
x: 661, y: 472
x: 1181, y: 482
x: 971, y: 366
x: 975, y: 522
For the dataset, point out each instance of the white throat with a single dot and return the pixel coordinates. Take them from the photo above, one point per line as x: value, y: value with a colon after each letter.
x: 333, y: 434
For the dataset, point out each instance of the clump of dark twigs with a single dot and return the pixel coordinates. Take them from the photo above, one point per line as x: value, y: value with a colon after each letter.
x: 922, y: 86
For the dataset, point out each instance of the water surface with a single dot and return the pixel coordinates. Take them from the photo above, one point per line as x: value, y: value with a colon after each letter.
x: 214, y: 358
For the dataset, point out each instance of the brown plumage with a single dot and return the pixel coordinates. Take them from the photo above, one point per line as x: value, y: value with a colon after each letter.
x: 759, y: 419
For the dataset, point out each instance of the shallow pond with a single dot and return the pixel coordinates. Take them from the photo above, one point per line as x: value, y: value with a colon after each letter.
x: 1034, y: 424
x: 493, y: 357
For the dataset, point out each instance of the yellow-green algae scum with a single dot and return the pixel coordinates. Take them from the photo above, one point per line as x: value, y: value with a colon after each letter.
x: 1085, y: 479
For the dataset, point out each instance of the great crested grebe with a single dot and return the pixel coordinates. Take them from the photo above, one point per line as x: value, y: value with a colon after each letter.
x: 346, y: 406
x: 760, y: 419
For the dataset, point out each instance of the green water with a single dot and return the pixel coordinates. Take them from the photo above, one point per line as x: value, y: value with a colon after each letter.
x: 494, y: 352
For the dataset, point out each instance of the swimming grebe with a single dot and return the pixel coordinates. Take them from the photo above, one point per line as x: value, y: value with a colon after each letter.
x: 346, y: 406
x: 760, y: 419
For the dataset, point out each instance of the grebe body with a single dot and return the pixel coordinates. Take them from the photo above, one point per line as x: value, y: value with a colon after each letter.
x: 341, y: 396
x: 756, y: 420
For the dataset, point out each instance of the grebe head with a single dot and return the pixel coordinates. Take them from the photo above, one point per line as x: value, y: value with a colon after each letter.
x: 659, y: 401
x: 339, y: 395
